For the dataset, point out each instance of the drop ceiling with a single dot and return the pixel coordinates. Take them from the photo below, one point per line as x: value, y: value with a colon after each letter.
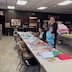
x: 32, y: 5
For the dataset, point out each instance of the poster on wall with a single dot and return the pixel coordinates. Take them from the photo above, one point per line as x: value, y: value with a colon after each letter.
x: 33, y: 21
x: 15, y: 22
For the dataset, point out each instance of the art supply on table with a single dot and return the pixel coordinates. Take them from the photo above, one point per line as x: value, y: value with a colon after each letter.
x: 63, y: 56
x: 51, y: 59
x: 55, y: 53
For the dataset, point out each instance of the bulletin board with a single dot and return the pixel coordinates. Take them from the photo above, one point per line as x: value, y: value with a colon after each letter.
x: 15, y: 22
x: 32, y: 21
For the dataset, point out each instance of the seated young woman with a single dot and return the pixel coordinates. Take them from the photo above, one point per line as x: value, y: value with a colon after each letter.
x: 41, y: 33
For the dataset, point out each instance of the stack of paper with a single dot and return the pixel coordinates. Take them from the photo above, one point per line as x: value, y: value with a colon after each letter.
x: 47, y: 55
x: 28, y: 35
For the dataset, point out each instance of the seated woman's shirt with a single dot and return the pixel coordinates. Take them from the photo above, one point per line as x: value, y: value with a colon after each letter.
x: 41, y: 35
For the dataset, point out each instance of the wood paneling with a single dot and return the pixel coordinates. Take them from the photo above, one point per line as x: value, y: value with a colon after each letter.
x: 24, y: 16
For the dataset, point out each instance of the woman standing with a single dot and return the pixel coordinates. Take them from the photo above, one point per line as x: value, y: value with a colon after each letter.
x: 53, y: 24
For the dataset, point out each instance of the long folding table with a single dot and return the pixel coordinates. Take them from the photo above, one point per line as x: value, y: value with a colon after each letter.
x: 47, y: 66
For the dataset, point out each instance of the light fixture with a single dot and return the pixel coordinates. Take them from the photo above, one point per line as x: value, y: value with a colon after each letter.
x: 21, y: 2
x: 41, y: 8
x: 11, y: 7
x: 66, y: 2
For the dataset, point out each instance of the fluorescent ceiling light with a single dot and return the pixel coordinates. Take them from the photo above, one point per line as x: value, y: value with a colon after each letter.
x: 11, y: 7
x: 65, y: 2
x: 21, y: 2
x: 41, y: 8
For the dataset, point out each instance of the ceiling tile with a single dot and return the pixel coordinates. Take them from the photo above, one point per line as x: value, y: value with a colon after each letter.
x: 2, y: 0
x: 32, y: 5
x: 3, y: 7
x: 2, y: 4
x: 10, y: 4
x: 34, y: 0
x: 11, y: 1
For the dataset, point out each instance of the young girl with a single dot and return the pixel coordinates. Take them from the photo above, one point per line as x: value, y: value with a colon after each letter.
x: 50, y: 37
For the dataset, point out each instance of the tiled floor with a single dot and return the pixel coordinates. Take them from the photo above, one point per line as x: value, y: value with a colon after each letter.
x: 9, y: 57
x: 65, y: 49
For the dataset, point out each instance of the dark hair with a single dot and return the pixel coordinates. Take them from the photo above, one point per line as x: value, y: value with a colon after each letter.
x: 42, y: 28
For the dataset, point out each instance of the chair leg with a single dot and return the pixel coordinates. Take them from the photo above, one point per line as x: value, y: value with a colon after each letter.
x: 34, y: 68
x: 19, y: 55
x: 18, y: 65
x: 22, y: 64
x: 21, y: 67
